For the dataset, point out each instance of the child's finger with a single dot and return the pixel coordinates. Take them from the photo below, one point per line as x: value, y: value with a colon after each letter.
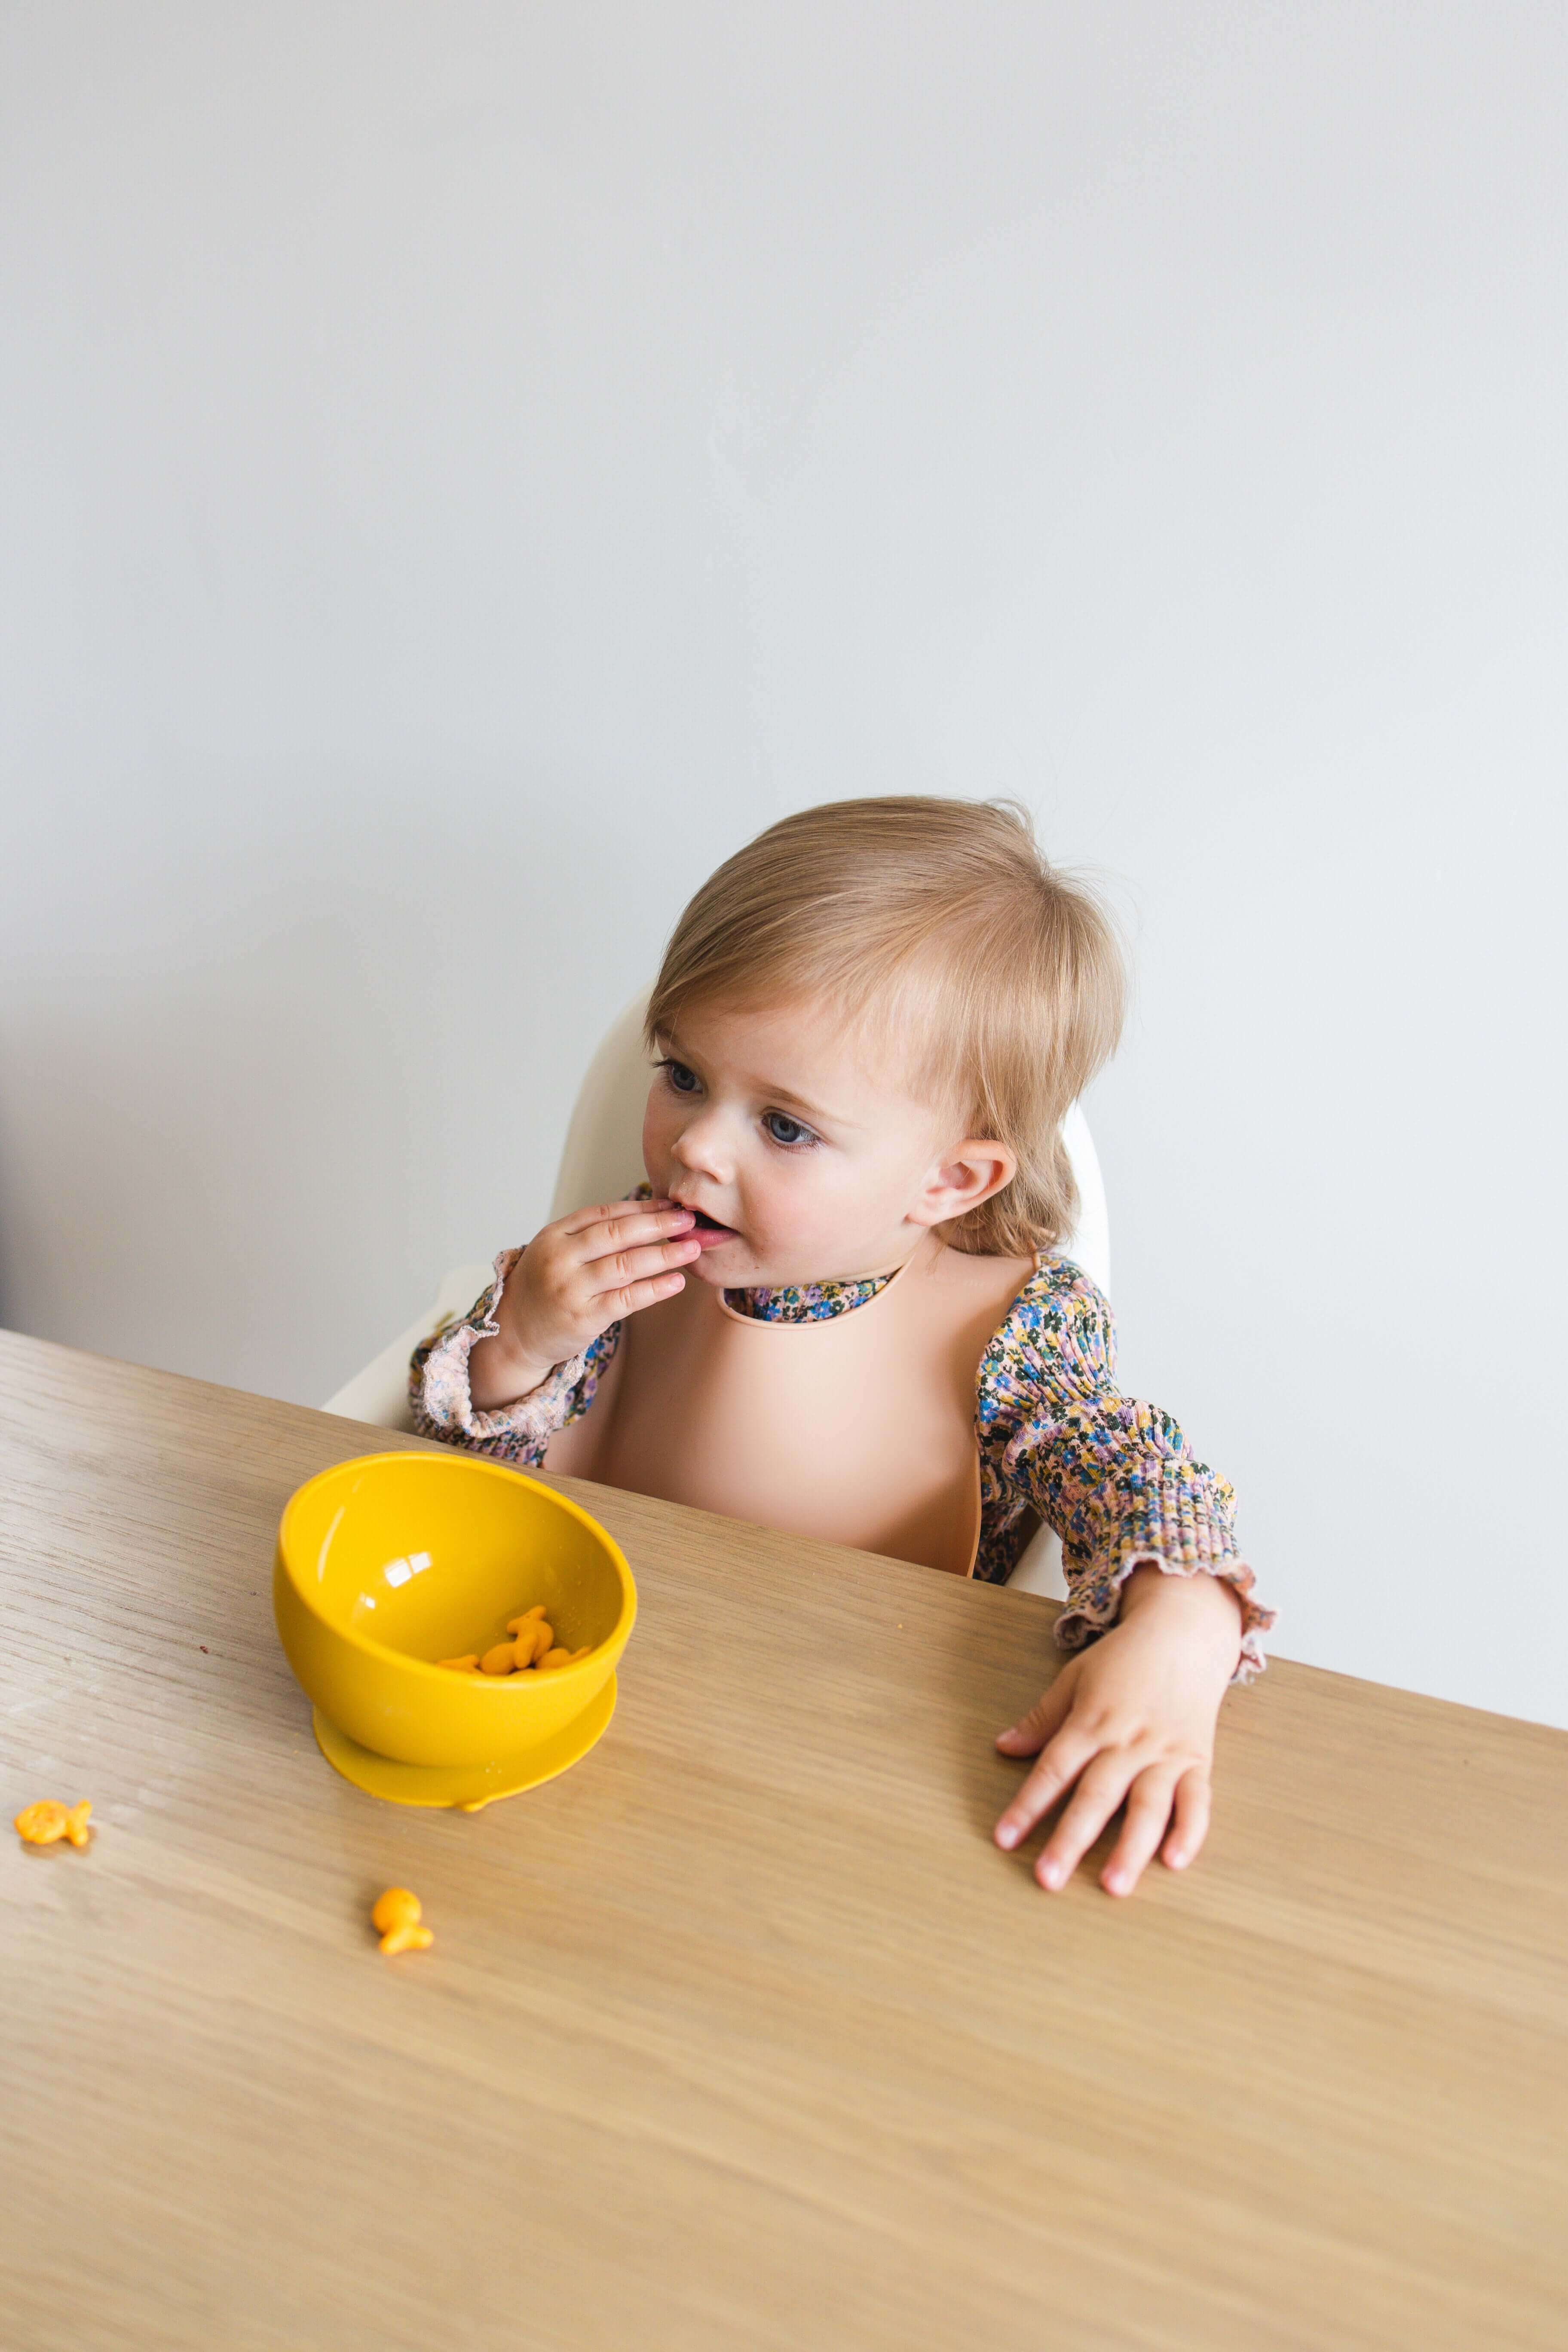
x: 1056, y: 1769
x: 1190, y: 1820
x: 616, y: 1304
x: 1096, y: 1798
x: 604, y: 1236
x: 607, y: 1278
x: 605, y: 1213
x: 578, y: 1220
x: 1148, y: 1811
x: 1049, y: 1712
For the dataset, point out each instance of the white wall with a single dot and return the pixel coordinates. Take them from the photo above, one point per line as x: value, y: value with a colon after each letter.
x: 469, y: 465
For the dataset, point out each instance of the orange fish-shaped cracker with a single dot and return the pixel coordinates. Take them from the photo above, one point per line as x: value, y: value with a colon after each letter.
x: 49, y: 1820
x: 395, y: 1919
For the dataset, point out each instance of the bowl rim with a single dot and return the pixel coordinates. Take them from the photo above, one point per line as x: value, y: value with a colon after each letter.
x: 619, y: 1631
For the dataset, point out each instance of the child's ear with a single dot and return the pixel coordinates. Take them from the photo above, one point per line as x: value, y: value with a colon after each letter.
x: 971, y: 1172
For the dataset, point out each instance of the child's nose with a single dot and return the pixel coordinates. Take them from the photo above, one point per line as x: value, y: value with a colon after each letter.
x: 700, y: 1147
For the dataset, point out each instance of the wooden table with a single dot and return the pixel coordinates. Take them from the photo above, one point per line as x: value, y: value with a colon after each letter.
x: 743, y: 2034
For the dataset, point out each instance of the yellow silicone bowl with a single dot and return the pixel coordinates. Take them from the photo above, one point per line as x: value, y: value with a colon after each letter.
x: 392, y: 1561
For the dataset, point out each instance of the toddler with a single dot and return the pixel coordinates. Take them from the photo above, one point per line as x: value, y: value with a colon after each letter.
x: 837, y: 1307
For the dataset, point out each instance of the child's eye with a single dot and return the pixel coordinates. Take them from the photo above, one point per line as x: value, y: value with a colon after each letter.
x: 684, y: 1081
x: 782, y: 1129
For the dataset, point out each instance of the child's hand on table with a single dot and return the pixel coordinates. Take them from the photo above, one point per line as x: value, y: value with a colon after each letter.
x: 575, y: 1279
x: 1131, y: 1719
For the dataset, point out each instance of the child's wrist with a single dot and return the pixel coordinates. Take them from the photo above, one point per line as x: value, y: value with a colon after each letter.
x: 1206, y: 1606
x: 500, y: 1374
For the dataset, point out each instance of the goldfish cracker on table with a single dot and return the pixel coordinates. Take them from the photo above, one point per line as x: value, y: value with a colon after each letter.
x: 395, y: 1917
x: 48, y: 1821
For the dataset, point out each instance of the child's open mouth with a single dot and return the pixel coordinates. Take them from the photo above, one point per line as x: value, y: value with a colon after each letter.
x: 710, y: 1231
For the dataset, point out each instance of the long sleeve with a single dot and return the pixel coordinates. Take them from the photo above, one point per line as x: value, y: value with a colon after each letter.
x: 1115, y: 1478
x: 443, y: 1404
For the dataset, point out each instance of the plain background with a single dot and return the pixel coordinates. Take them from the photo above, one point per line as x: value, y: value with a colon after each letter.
x: 467, y: 466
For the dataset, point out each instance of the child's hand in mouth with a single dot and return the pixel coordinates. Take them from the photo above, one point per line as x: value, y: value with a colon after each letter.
x: 575, y: 1279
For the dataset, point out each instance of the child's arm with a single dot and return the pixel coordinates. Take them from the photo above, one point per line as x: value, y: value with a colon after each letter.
x: 1152, y: 1570
x: 528, y: 1357
x: 441, y: 1388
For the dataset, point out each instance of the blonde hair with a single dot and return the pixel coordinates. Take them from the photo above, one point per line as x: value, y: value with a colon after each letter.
x: 941, y: 926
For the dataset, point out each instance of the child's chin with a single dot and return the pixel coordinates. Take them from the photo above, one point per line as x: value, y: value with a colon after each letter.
x: 714, y: 1275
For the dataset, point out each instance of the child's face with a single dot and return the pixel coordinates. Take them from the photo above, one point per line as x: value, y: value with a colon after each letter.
x: 812, y: 1164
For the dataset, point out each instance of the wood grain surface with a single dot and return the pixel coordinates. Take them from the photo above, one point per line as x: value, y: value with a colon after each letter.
x: 742, y: 2035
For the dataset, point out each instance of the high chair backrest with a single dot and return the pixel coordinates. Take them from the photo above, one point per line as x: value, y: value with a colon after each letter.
x: 603, y: 1152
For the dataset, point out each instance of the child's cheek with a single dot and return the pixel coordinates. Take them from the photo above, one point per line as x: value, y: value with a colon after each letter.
x: 656, y: 1140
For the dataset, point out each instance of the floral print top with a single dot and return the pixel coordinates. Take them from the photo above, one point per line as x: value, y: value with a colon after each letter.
x: 1115, y: 1478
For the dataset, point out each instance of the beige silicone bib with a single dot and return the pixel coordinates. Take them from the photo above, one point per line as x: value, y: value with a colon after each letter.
x: 860, y: 1429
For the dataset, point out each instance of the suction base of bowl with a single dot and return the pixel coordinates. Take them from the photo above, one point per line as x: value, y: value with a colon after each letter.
x: 469, y: 1787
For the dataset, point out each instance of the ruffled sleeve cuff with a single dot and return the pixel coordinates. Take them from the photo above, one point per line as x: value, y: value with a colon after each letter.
x: 1179, y: 1523
x: 442, y: 1403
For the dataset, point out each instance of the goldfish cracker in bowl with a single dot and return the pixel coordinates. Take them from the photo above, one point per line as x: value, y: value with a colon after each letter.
x: 399, y: 1577
x: 530, y: 1644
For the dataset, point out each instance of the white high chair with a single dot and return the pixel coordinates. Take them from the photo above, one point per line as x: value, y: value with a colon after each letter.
x: 601, y: 1160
